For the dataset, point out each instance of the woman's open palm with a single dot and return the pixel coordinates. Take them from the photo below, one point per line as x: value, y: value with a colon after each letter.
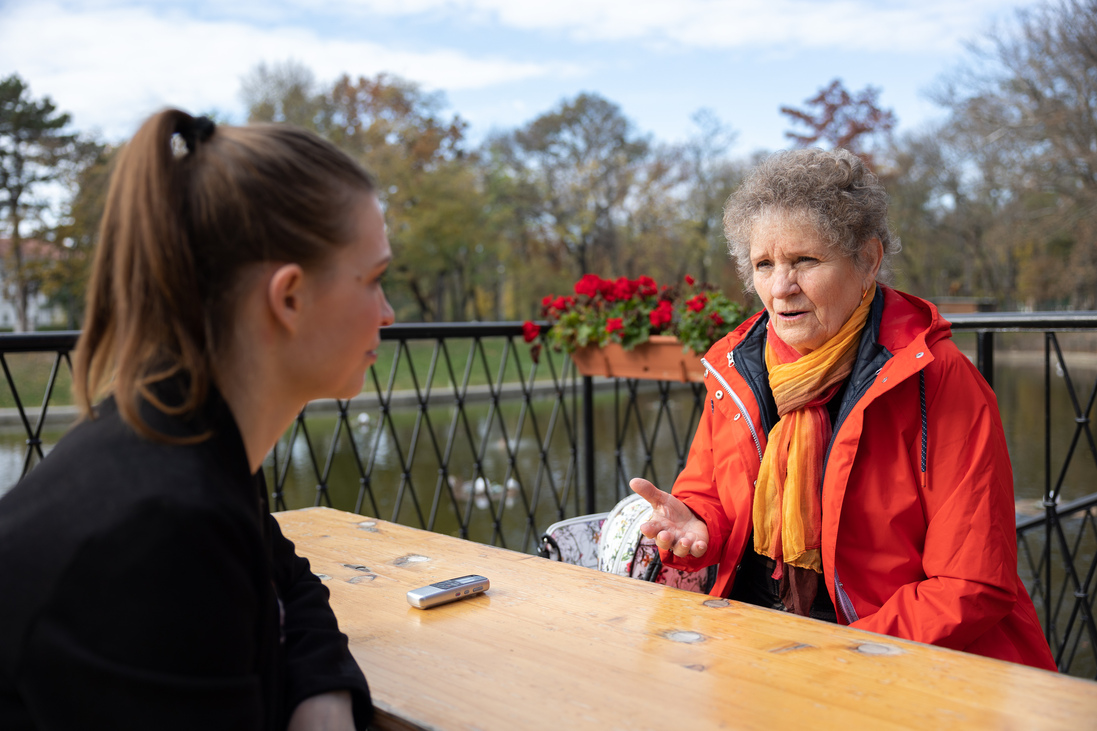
x: 673, y: 526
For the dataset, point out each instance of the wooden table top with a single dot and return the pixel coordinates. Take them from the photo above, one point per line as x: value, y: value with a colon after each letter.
x: 554, y: 646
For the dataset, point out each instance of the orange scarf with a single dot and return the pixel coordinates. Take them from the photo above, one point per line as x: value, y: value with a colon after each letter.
x: 787, y: 498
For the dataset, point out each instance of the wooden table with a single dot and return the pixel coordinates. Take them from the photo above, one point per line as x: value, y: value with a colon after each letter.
x: 554, y: 646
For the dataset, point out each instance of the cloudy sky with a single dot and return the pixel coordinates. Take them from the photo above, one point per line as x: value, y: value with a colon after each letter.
x: 499, y: 63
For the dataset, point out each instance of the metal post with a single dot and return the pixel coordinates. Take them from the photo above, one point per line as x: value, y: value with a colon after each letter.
x: 588, y: 443
x: 985, y: 355
x: 1049, y: 504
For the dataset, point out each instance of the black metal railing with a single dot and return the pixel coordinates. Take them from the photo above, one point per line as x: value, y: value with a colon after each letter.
x: 459, y: 431
x: 57, y: 346
x: 1057, y: 551
x: 451, y: 438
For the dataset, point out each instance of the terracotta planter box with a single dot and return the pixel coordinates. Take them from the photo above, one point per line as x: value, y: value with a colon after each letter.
x: 660, y: 358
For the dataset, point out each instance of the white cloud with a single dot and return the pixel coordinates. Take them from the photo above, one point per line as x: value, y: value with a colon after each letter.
x: 897, y: 25
x: 113, y: 64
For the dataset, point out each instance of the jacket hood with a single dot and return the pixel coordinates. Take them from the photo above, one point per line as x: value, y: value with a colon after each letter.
x: 908, y: 318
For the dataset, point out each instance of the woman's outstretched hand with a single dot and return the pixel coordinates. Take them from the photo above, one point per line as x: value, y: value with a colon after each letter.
x: 673, y: 526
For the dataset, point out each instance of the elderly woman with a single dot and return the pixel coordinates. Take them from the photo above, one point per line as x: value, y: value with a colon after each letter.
x: 850, y: 463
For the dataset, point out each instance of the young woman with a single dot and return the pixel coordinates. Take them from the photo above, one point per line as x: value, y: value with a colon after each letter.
x: 145, y: 584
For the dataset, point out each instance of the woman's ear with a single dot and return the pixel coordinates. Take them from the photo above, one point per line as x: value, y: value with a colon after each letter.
x: 874, y: 250
x: 284, y: 295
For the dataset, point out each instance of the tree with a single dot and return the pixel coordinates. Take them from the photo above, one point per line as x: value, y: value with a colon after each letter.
x: 583, y: 160
x: 529, y: 260
x: 284, y: 92
x: 999, y: 200
x: 842, y: 119
x: 385, y: 116
x: 33, y: 148
x: 64, y: 275
x: 656, y: 235
x: 429, y: 185
x: 434, y: 204
x: 930, y: 262
x: 711, y: 176
x: 1028, y: 97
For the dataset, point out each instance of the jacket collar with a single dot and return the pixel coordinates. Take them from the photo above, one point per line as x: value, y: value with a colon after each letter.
x: 212, y: 425
x: 871, y: 357
x: 896, y: 322
x: 749, y: 359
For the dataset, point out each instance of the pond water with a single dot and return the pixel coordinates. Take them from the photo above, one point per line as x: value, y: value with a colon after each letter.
x: 1020, y: 390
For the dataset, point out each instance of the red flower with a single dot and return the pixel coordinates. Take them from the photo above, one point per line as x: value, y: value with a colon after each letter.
x: 624, y: 289
x: 588, y: 285
x: 716, y: 319
x: 614, y: 324
x: 690, y: 280
x: 697, y: 303
x: 647, y: 286
x: 608, y: 288
x: 530, y: 331
x: 661, y: 316
x: 560, y: 303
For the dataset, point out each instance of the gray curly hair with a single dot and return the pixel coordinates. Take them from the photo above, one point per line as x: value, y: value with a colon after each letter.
x: 834, y: 192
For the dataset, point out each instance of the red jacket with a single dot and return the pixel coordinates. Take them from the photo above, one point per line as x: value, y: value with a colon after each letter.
x: 923, y: 555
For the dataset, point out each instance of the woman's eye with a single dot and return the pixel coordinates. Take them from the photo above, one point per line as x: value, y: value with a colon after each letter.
x: 761, y: 265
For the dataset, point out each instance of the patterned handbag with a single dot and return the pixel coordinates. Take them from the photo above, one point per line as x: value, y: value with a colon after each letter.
x: 574, y: 540
x: 625, y: 551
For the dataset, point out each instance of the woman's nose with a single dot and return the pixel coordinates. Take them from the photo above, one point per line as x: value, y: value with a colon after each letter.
x: 784, y: 283
x: 388, y: 315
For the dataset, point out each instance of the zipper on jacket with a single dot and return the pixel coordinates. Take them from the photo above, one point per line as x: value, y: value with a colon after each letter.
x: 845, y: 606
x: 739, y: 403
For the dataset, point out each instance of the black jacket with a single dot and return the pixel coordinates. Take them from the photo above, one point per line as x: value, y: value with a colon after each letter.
x: 145, y: 585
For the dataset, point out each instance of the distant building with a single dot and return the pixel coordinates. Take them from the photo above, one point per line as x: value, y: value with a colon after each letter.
x: 40, y: 313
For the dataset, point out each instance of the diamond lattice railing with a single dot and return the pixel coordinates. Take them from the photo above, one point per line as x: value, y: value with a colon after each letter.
x: 459, y: 431
x: 653, y: 428
x: 1058, y: 551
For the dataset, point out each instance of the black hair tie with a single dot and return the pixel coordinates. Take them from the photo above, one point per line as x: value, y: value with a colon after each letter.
x: 198, y: 129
